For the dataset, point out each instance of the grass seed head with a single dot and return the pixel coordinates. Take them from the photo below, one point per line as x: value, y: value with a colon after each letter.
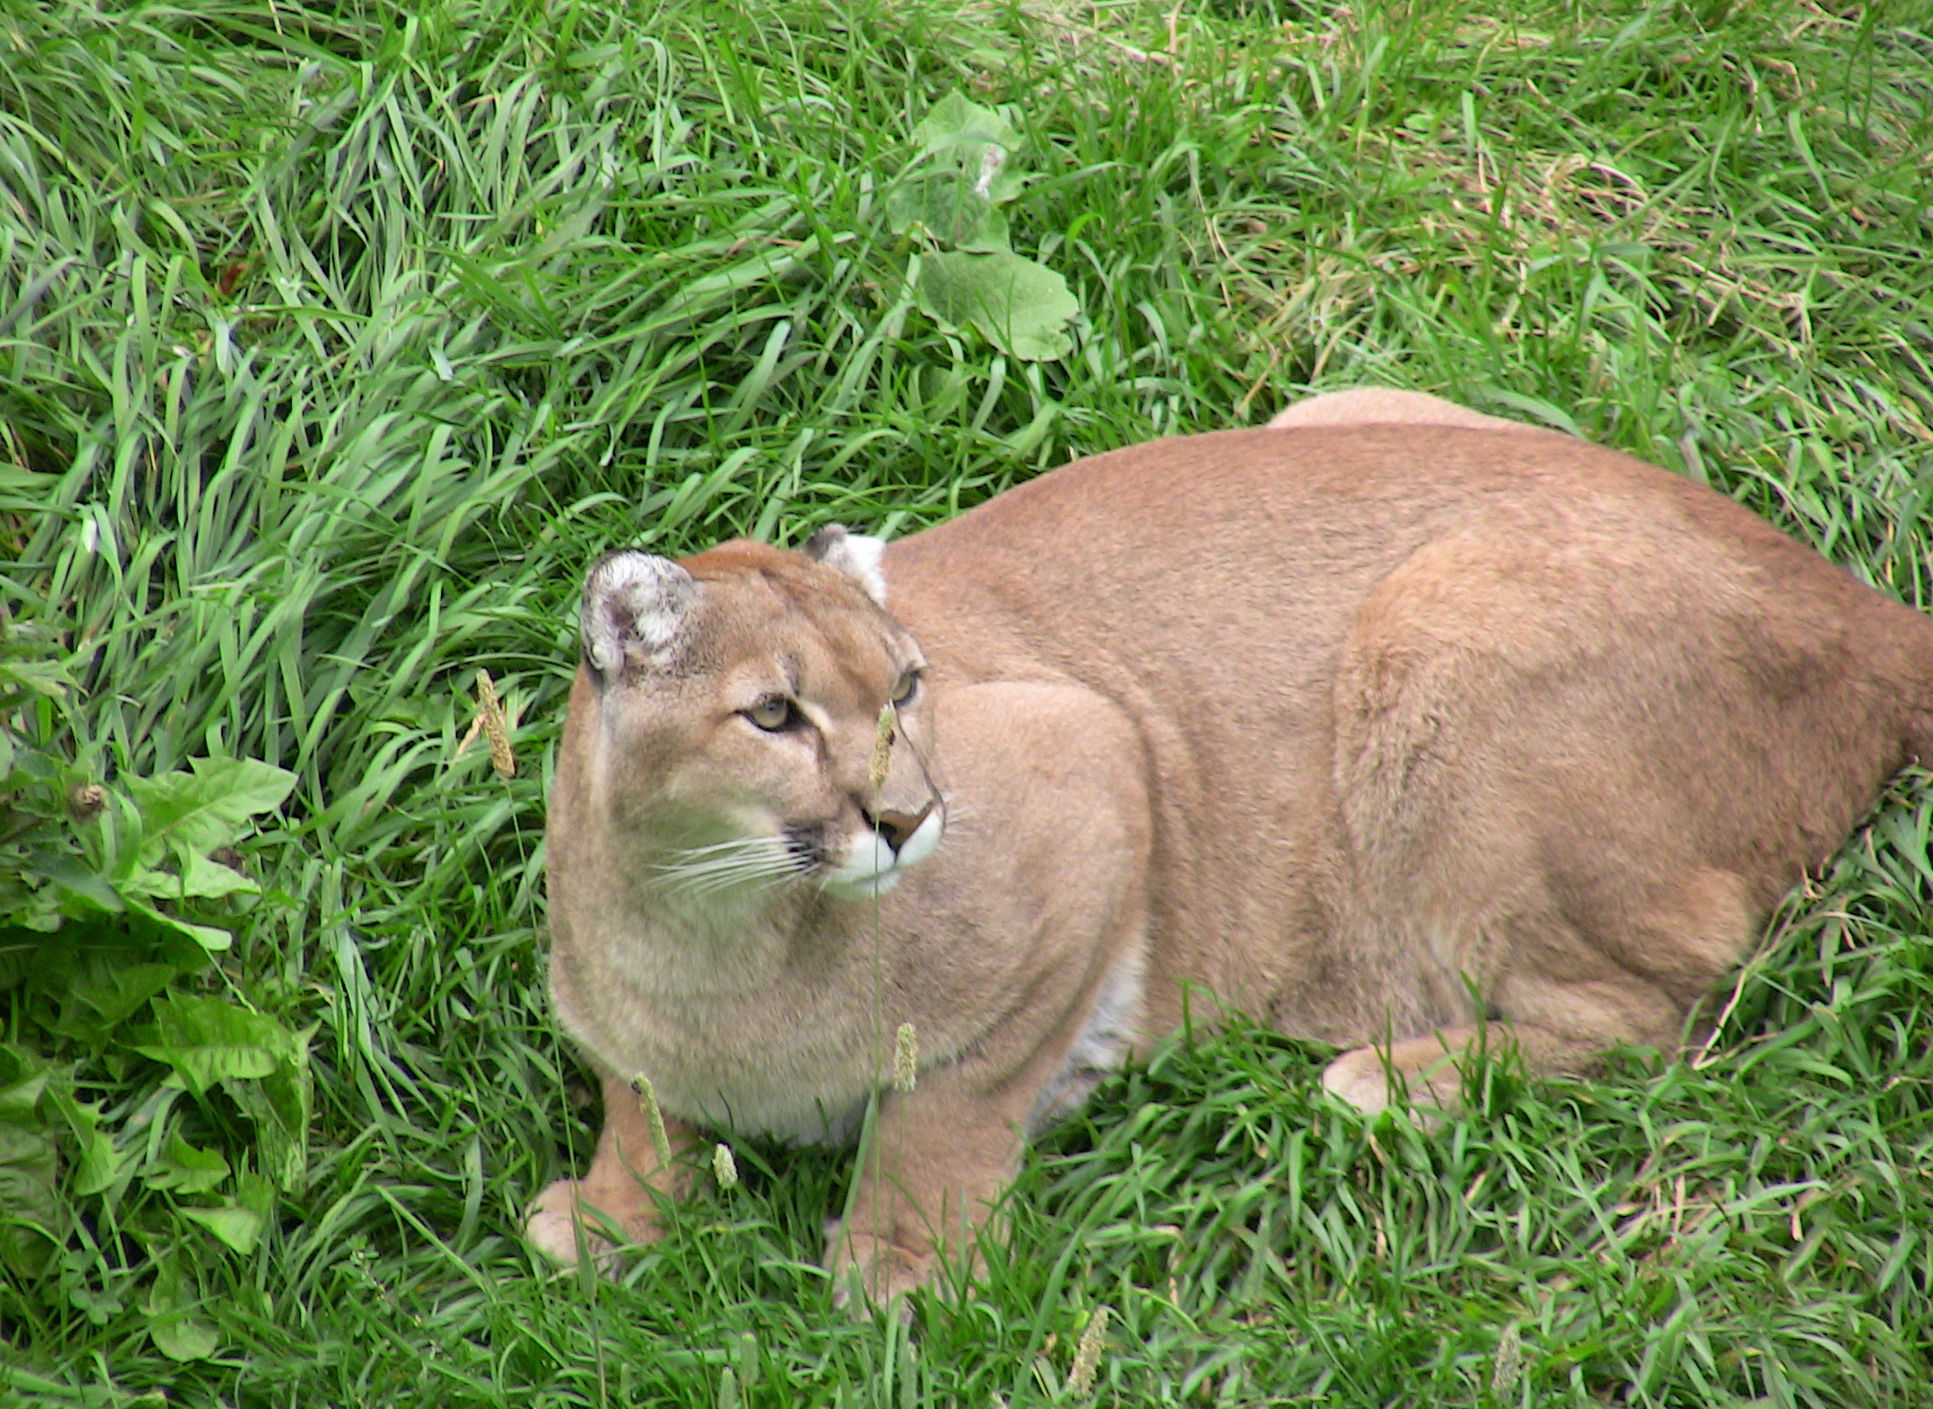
x: 648, y: 1097
x: 882, y: 748
x: 490, y: 716
x: 906, y: 1058
x: 1508, y: 1367
x: 1087, y: 1355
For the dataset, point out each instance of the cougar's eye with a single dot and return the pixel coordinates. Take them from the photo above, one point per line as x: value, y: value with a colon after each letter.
x: 906, y: 687
x: 772, y: 713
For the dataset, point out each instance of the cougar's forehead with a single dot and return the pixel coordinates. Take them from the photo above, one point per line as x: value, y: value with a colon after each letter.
x: 813, y: 622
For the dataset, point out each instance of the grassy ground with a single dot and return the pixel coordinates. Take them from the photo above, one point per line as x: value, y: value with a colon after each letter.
x: 335, y: 339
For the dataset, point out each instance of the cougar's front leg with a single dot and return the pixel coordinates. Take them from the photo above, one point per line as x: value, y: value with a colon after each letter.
x: 939, y: 1158
x: 942, y: 1154
x: 1053, y: 871
x: 616, y: 1193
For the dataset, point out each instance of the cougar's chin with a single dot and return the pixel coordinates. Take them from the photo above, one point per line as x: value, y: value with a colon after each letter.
x: 869, y: 889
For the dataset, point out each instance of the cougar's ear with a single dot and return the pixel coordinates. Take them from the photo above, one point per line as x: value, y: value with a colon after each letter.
x: 636, y: 609
x: 854, y: 554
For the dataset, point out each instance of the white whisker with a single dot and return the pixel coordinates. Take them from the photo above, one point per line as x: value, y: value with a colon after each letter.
x: 960, y: 819
x: 721, y: 866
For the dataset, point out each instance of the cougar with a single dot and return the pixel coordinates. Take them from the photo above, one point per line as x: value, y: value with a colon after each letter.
x: 1397, y: 726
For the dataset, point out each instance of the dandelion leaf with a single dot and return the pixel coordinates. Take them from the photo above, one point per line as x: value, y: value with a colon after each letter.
x: 973, y: 140
x: 945, y: 206
x: 189, y: 815
x: 1019, y: 305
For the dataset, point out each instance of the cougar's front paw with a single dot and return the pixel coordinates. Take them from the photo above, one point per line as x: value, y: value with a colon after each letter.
x: 1361, y: 1078
x: 1421, y: 1073
x: 565, y: 1224
x: 869, y: 1270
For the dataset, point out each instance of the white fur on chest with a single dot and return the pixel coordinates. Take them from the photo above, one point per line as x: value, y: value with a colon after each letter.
x: 1105, y: 1040
x: 752, y: 1060
x: 797, y: 1062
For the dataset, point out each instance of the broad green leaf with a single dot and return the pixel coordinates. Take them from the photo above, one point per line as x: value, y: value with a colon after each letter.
x: 99, y: 1307
x: 240, y: 1228
x: 239, y: 1221
x: 945, y: 206
x: 206, y: 878
x: 194, y: 813
x: 114, y: 987
x: 205, y: 937
x: 20, y: 1100
x: 32, y: 1212
x: 185, y: 1169
x: 178, y: 1332
x: 96, y: 1162
x: 974, y: 141
x: 279, y: 1104
x: 182, y: 1335
x: 956, y: 118
x: 206, y: 1040
x: 81, y: 891
x: 1020, y: 306
x: 99, y: 1163
x: 135, y: 881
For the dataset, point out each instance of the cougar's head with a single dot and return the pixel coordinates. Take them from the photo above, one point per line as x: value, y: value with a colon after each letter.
x: 754, y: 718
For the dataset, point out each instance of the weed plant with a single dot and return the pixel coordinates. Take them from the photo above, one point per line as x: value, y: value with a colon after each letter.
x: 336, y: 339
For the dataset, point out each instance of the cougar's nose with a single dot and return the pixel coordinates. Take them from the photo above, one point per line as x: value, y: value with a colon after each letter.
x: 896, y: 828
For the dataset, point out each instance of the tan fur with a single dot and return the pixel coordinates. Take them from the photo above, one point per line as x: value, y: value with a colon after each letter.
x: 1385, y: 406
x: 1386, y: 722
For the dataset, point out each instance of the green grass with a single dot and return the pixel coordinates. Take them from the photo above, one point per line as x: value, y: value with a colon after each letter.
x: 335, y: 340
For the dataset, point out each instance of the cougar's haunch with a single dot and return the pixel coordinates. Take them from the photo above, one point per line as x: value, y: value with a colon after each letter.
x: 1385, y: 721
